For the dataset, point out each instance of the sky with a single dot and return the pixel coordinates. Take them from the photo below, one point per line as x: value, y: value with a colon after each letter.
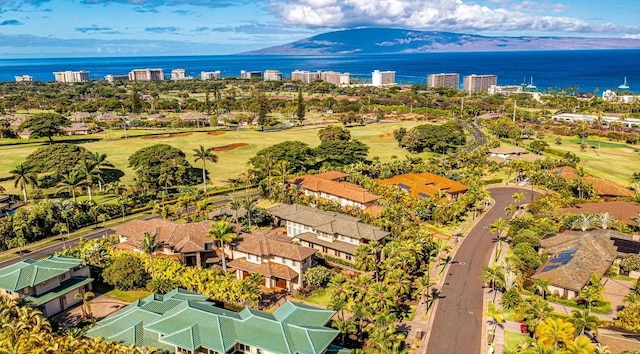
x: 77, y: 28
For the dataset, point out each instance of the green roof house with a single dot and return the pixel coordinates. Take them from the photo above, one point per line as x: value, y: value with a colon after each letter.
x: 49, y: 284
x: 184, y: 322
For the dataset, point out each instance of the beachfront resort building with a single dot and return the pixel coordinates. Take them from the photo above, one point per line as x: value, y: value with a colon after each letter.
x: 182, y: 321
x: 383, y: 78
x: 450, y: 80
x: 23, y: 78
x: 247, y: 75
x: 606, y: 120
x: 114, y: 78
x: 146, y: 74
x: 306, y: 77
x: 71, y: 76
x: 504, y: 90
x: 49, y: 284
x: 478, y: 83
x: 336, y: 78
x: 612, y: 96
x: 272, y: 75
x: 210, y: 75
x: 333, y: 234
x: 178, y: 74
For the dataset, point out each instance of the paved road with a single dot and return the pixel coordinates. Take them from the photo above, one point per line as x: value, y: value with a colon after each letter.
x: 49, y: 250
x: 457, y: 325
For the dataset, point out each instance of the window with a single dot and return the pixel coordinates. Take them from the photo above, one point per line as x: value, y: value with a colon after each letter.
x: 213, y: 352
x: 347, y: 256
x: 63, y: 277
x: 246, y: 348
x: 208, y: 246
x: 294, y: 263
x: 259, y: 351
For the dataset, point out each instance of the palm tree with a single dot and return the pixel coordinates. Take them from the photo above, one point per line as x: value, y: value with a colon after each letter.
x: 150, y: 246
x: 511, y: 209
x: 517, y: 197
x: 249, y: 205
x: 90, y: 173
x: 100, y: 162
x: 366, y: 258
x: 495, y: 314
x: 235, y: 204
x: 584, y: 222
x: 494, y: 276
x: 71, y: 183
x: 203, y: 206
x: 580, y: 345
x: 22, y: 176
x: 541, y: 286
x: 498, y: 226
x: 555, y: 333
x: 85, y: 296
x: 604, y: 220
x: 204, y: 154
x: 582, y: 320
x: 223, y: 232
x: 164, y: 210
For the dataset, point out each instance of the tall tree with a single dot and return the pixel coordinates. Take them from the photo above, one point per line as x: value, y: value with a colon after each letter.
x: 222, y: 232
x: 150, y: 246
x: 300, y: 108
x: 100, y: 162
x: 45, y: 125
x: 22, y: 176
x: 204, y: 154
x: 90, y: 173
x: 71, y: 183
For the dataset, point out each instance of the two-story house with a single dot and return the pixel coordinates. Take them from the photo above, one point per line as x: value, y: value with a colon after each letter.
x: 49, y: 284
x: 278, y: 260
x: 333, y: 234
x: 185, y: 322
x: 187, y: 243
x: 331, y: 186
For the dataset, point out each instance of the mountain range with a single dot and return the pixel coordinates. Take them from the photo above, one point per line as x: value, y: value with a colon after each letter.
x: 398, y: 41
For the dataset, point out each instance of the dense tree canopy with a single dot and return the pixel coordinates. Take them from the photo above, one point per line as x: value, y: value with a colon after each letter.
x: 431, y: 137
x: 158, y: 164
x: 59, y: 158
x: 299, y: 155
x: 334, y: 132
x: 341, y: 152
x: 45, y: 125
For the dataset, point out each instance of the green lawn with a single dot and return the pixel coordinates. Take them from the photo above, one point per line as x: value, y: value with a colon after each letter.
x: 231, y: 163
x: 512, y: 340
x: 128, y: 296
x: 613, y: 161
x: 320, y: 297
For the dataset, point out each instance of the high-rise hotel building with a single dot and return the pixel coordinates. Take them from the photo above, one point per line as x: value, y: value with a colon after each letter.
x: 478, y: 83
x: 71, y: 76
x: 450, y: 80
x: 146, y: 74
x: 210, y: 75
x: 383, y: 78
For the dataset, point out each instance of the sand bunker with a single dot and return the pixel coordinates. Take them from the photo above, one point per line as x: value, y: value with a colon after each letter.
x: 166, y: 136
x: 229, y: 147
x: 387, y: 136
x: 216, y: 133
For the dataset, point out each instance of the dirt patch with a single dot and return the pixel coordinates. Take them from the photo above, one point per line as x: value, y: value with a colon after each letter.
x: 229, y: 147
x: 216, y: 133
x: 387, y: 136
x: 166, y: 136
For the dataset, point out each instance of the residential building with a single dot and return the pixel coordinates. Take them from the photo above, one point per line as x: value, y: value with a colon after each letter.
x: 250, y: 74
x: 612, y: 96
x: 178, y: 74
x: 573, y: 259
x: 8, y: 205
x: 306, y: 77
x: 80, y: 116
x: 620, y: 210
x: 77, y: 129
x: 504, y: 90
x: 333, y: 234
x: 331, y: 186
x: 187, y: 243
x: 383, y: 78
x: 506, y: 154
x: 450, y: 80
x: 114, y: 78
x: 478, y: 83
x: 273, y: 256
x: 210, y: 75
x: 606, y: 120
x: 427, y: 185
x: 604, y: 188
x: 336, y: 78
x: 146, y: 74
x: 272, y: 75
x: 49, y: 284
x: 24, y: 78
x: 71, y: 76
x: 185, y: 322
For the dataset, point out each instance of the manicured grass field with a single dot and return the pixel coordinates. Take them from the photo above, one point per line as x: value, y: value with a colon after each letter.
x: 231, y: 163
x: 512, y: 340
x: 613, y: 161
x: 128, y: 296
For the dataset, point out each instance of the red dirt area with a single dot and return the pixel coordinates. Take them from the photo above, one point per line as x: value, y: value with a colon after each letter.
x: 387, y: 136
x: 165, y: 136
x: 229, y: 147
x: 215, y: 133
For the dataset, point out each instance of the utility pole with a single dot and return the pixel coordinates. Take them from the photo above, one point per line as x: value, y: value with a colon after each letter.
x: 515, y: 104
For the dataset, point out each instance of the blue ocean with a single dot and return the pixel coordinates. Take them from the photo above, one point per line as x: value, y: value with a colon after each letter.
x: 550, y: 70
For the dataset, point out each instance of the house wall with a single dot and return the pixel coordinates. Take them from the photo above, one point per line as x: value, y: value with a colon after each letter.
x: 13, y: 294
x: 329, y: 251
x: 570, y: 294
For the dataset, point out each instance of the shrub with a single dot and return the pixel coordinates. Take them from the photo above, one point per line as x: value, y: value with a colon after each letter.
x: 126, y: 272
x: 317, y: 276
x: 631, y: 263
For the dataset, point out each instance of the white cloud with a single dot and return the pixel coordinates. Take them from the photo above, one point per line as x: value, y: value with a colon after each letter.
x: 440, y: 15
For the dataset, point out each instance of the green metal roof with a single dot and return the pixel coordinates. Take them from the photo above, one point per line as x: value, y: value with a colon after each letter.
x: 30, y: 272
x: 65, y: 287
x: 189, y: 324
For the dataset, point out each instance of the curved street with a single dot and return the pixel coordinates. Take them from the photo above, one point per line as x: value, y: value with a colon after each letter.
x: 457, y: 322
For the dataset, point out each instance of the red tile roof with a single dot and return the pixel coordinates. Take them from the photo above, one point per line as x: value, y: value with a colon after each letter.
x: 345, y: 190
x: 426, y: 183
